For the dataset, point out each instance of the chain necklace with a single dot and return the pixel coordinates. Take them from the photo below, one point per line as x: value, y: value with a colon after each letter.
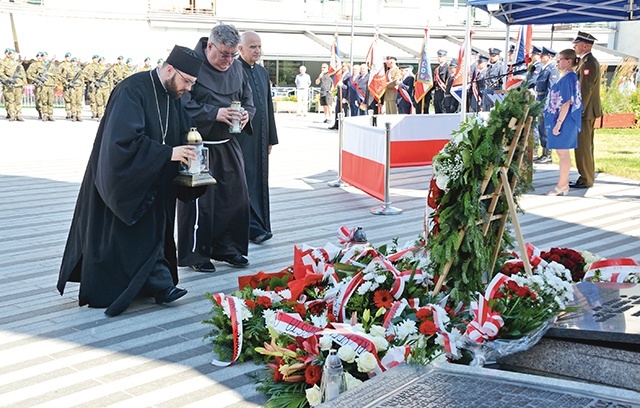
x: 164, y: 129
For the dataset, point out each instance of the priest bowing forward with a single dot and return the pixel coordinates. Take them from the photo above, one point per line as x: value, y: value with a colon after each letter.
x: 120, y: 244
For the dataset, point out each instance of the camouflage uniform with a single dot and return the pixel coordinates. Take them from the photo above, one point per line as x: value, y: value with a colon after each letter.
x: 89, y: 74
x: 129, y: 68
x: 4, y: 61
x: 63, y: 67
x: 42, y: 76
x: 118, y: 72
x: 74, y: 81
x: 146, y: 66
x: 102, y: 85
x: 14, y: 76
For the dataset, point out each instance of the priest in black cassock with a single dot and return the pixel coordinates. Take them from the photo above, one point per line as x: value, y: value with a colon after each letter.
x: 257, y: 147
x: 120, y: 244
x: 216, y: 225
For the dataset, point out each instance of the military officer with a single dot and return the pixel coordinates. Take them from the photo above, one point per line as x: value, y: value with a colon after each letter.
x: 548, y: 76
x: 88, y: 75
x: 589, y: 74
x: 42, y: 76
x: 440, y: 78
x: 494, y: 80
x: 393, y: 75
x: 146, y: 66
x: 533, y: 71
x: 5, y: 60
x: 129, y: 67
x: 14, y: 78
x: 119, y: 71
x: 478, y: 83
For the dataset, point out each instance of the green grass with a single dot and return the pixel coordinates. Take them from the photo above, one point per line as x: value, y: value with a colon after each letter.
x: 616, y: 152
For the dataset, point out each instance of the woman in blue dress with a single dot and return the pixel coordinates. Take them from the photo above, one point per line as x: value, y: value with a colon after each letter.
x: 563, y: 117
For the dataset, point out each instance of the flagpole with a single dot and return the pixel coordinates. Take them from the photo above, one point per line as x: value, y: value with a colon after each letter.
x: 465, y: 71
x: 353, y: 8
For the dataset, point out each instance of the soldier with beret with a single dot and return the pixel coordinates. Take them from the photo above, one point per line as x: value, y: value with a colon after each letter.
x: 14, y: 79
x: 63, y: 67
x: 3, y: 62
x: 102, y: 84
x: 89, y: 73
x: 119, y: 71
x: 146, y: 66
x: 589, y: 74
x: 72, y: 78
x: 548, y: 76
x: 440, y: 78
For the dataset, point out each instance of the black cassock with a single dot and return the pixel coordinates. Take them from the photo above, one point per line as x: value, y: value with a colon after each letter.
x: 122, y: 228
x: 217, y: 224
x: 255, y: 148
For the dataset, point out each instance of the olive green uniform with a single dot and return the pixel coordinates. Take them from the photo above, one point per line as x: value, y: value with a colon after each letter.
x: 73, y: 81
x: 15, y: 77
x: 45, y: 82
x: 63, y: 67
x: 102, y: 84
x: 89, y: 74
x: 3, y: 62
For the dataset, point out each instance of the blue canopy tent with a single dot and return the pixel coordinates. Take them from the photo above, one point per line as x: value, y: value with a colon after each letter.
x: 524, y: 12
x: 559, y: 11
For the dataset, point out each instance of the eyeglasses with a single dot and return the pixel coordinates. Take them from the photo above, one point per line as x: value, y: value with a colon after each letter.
x: 225, y: 54
x: 186, y: 81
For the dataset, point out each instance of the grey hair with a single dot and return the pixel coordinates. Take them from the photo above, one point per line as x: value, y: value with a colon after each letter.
x: 224, y: 34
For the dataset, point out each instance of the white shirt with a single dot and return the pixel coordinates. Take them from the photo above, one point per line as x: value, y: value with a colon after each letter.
x: 303, y: 81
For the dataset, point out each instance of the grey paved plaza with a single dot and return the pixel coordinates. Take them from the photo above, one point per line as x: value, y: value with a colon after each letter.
x: 56, y: 354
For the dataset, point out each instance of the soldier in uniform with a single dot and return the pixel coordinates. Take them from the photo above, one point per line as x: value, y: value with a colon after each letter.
x: 40, y: 73
x: 393, y: 75
x: 146, y: 66
x: 119, y: 71
x: 102, y: 85
x: 73, y: 81
x: 66, y: 93
x: 88, y: 74
x: 3, y: 62
x: 548, y: 76
x: 494, y: 80
x: 450, y: 104
x: 589, y: 74
x: 34, y: 67
x: 129, y: 67
x: 14, y: 78
x: 478, y: 84
x: 440, y: 78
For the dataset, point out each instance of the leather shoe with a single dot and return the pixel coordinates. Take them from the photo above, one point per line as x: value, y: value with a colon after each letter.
x: 237, y: 261
x: 204, y: 267
x: 262, y: 237
x: 170, y: 294
x: 579, y: 184
x: 333, y: 128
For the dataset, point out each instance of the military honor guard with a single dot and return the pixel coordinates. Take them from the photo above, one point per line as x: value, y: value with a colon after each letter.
x: 440, y: 78
x: 494, y: 80
x: 478, y: 84
x: 548, y: 76
x: 13, y: 79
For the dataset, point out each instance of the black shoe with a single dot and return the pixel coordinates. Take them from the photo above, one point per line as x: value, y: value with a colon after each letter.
x: 265, y: 236
x: 170, y: 294
x: 579, y: 184
x: 326, y: 121
x: 204, y: 267
x: 237, y: 261
x: 334, y: 127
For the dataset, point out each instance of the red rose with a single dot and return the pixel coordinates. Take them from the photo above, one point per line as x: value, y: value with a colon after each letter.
x: 312, y: 374
x: 555, y: 258
x: 250, y: 303
x: 428, y: 328
x: 264, y: 301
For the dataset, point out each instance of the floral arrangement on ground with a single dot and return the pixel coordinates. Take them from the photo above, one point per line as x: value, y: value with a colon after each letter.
x: 375, y: 307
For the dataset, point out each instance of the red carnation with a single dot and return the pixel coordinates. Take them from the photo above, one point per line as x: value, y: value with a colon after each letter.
x: 312, y: 374
x: 428, y: 328
x: 382, y: 298
x: 423, y: 314
x: 250, y: 303
x: 300, y: 309
x: 331, y: 317
x: 264, y: 301
x: 317, y: 308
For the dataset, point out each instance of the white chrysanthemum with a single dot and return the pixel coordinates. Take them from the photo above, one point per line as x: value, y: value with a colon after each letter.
x: 244, y: 311
x: 320, y: 321
x: 314, y: 395
x: 381, y: 278
x: 269, y: 317
x: 364, y: 287
x: 347, y: 354
x: 366, y: 362
x: 405, y: 329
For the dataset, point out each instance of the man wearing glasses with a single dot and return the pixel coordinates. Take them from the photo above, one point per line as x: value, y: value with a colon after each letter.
x: 216, y: 225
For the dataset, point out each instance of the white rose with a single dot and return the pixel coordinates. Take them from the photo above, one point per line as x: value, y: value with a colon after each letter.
x: 314, y: 396
x: 351, y: 380
x: 380, y: 342
x: 366, y: 362
x: 378, y: 331
x: 325, y: 343
x: 347, y: 354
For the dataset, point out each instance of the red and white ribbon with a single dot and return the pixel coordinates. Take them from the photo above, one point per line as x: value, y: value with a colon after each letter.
x: 343, y: 297
x: 614, y: 270
x: 293, y: 325
x: 345, y: 335
x: 486, y: 323
x: 395, y: 310
x: 235, y: 314
x: 395, y: 356
x: 345, y: 235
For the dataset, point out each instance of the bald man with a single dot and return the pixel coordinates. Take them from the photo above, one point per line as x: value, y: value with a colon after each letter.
x: 256, y: 147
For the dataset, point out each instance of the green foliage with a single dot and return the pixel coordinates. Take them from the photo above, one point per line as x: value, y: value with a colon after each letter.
x: 612, y: 99
x: 473, y: 149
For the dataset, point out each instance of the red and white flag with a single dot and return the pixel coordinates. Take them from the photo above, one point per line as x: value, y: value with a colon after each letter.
x: 335, y: 63
x: 456, y: 87
x: 522, y: 57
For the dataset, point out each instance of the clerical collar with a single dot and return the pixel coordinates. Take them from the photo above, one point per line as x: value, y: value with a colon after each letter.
x: 159, y: 79
x: 246, y: 63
